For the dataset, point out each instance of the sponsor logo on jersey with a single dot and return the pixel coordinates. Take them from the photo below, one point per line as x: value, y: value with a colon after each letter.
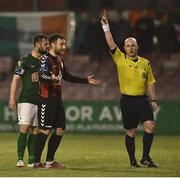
x: 33, y: 66
x: 44, y: 69
x: 35, y: 77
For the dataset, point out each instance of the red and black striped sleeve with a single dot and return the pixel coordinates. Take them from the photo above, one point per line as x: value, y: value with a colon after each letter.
x: 71, y: 78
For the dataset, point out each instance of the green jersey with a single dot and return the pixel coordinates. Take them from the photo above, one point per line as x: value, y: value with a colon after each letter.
x: 27, y: 68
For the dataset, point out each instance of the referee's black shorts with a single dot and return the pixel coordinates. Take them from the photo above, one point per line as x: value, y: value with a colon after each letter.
x: 51, y: 113
x: 135, y: 109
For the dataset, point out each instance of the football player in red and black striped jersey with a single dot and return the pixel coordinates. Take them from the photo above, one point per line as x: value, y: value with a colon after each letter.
x: 51, y: 110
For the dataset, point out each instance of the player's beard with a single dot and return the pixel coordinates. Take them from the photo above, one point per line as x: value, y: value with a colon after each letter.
x: 41, y: 51
x: 59, y: 52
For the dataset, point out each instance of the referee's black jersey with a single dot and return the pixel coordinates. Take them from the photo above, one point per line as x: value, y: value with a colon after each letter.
x: 54, y: 65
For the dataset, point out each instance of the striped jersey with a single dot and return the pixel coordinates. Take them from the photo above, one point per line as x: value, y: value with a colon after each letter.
x: 54, y: 65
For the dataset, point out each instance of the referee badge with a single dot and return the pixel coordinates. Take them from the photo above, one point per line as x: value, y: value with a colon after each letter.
x: 144, y: 74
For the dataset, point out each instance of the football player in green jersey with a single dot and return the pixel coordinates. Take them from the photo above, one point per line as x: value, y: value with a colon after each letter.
x: 27, y: 72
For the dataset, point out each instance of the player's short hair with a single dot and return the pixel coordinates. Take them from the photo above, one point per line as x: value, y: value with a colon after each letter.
x: 39, y: 38
x: 55, y: 36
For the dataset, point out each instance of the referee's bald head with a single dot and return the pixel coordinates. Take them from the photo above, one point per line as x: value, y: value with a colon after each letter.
x: 130, y: 39
x: 131, y: 47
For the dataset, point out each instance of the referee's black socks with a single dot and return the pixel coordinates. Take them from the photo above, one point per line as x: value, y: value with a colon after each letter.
x: 53, y: 144
x: 130, y: 146
x: 147, y: 142
x: 39, y: 146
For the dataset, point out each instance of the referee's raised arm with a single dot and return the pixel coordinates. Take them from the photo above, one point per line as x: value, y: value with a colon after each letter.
x: 109, y: 39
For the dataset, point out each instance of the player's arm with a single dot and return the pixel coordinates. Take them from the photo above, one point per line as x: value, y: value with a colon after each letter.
x: 18, y: 73
x: 13, y: 91
x: 152, y: 95
x: 74, y: 79
x: 108, y: 36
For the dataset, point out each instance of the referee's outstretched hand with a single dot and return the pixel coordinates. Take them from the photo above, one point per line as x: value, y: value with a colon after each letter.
x: 93, y: 81
x: 104, y: 19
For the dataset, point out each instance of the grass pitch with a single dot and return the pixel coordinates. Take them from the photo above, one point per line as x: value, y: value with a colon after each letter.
x: 95, y: 156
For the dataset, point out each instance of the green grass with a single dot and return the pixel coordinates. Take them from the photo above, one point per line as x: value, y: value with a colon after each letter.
x: 96, y: 155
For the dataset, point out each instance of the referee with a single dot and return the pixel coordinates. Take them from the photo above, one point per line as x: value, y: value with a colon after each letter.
x: 135, y: 78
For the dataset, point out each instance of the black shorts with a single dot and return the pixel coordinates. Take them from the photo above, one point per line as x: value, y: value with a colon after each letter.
x: 51, y: 113
x: 135, y: 109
